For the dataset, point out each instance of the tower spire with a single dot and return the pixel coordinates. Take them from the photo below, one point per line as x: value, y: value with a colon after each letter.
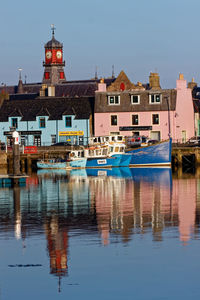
x: 113, y: 71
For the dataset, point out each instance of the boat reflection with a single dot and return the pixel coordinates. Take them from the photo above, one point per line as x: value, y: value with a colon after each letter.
x: 114, y: 204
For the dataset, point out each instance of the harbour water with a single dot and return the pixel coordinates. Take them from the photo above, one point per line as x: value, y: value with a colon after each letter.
x: 101, y: 234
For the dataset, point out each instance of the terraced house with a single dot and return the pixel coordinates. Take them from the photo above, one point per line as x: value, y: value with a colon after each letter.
x: 126, y: 108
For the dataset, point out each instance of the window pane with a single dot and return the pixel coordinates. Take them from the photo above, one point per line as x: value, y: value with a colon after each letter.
x: 157, y: 98
x: 42, y: 122
x: 135, y: 99
x: 152, y: 98
x: 68, y: 121
x: 155, y: 119
x: 135, y: 120
x: 14, y: 122
x: 116, y: 99
x: 113, y: 120
x: 111, y: 99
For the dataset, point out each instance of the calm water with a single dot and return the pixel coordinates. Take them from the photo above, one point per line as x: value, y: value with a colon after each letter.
x: 115, y: 234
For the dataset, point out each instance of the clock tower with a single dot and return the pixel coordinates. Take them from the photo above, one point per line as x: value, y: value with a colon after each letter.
x: 53, y: 64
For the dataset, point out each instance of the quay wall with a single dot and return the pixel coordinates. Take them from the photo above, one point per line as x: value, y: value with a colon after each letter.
x: 180, y: 156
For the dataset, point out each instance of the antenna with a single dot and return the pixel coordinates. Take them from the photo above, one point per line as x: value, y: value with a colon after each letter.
x: 20, y: 73
x: 113, y: 72
x: 53, y: 28
x: 96, y: 76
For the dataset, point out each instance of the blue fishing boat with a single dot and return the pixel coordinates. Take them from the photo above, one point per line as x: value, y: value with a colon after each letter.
x: 155, y: 155
x: 99, y: 156
x: 52, y: 164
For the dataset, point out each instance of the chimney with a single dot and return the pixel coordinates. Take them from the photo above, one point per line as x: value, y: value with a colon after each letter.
x: 154, y: 81
x: 51, y: 91
x: 101, y: 86
x: 192, y: 84
x: 43, y: 91
x: 181, y: 83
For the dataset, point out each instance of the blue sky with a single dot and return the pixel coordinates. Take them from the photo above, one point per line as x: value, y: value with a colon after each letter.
x: 138, y: 37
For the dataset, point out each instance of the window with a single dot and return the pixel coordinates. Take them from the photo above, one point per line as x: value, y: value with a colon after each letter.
x: 114, y: 120
x: 114, y: 100
x: 135, y: 120
x: 46, y: 75
x: 155, y: 119
x: 62, y: 75
x: 154, y: 98
x: 135, y: 99
x: 68, y: 121
x: 37, y: 140
x: 53, y: 139
x: 14, y: 122
x: 42, y: 123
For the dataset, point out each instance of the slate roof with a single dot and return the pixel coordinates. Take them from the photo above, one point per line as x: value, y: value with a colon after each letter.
x: 78, y: 88
x: 53, y: 107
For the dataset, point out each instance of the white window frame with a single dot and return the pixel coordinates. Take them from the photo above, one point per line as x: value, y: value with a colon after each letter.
x: 114, y: 96
x: 134, y: 103
x: 158, y: 119
x: 155, y: 94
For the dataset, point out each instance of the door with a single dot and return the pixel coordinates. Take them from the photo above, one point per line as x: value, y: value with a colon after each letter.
x: 155, y: 135
x: 37, y: 140
x: 183, y: 135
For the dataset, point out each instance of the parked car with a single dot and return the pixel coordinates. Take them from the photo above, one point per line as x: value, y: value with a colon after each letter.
x: 137, y: 141
x: 195, y: 140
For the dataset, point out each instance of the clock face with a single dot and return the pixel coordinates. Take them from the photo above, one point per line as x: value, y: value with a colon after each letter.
x: 59, y: 54
x: 48, y: 54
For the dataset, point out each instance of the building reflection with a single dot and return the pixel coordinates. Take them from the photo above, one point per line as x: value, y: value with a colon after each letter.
x: 116, y: 204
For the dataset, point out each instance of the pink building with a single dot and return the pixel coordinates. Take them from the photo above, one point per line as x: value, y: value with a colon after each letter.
x: 125, y: 108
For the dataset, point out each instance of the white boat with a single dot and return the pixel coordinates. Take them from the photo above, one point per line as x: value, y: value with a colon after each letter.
x: 102, y: 152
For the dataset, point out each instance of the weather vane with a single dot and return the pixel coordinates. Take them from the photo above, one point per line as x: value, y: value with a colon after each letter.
x: 53, y: 29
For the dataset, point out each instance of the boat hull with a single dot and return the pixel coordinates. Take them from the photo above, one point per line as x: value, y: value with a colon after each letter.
x: 107, y: 162
x: 77, y: 164
x: 154, y: 155
x: 51, y: 165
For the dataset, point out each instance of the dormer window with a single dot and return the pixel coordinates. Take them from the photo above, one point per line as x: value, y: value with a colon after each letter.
x: 135, y: 99
x: 155, y: 98
x: 14, y: 122
x: 114, y: 100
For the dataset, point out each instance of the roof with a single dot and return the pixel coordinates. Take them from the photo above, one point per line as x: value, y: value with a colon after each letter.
x: 54, y: 107
x: 53, y: 43
x: 76, y: 88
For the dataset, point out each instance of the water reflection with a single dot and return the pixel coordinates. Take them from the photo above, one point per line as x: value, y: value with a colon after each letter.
x: 116, y: 204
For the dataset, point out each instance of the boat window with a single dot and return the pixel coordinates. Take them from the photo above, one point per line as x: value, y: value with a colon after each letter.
x: 111, y: 149
x: 98, y: 152
x: 104, y: 151
x: 116, y: 149
x: 121, y: 149
x: 113, y: 138
x: 91, y: 152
